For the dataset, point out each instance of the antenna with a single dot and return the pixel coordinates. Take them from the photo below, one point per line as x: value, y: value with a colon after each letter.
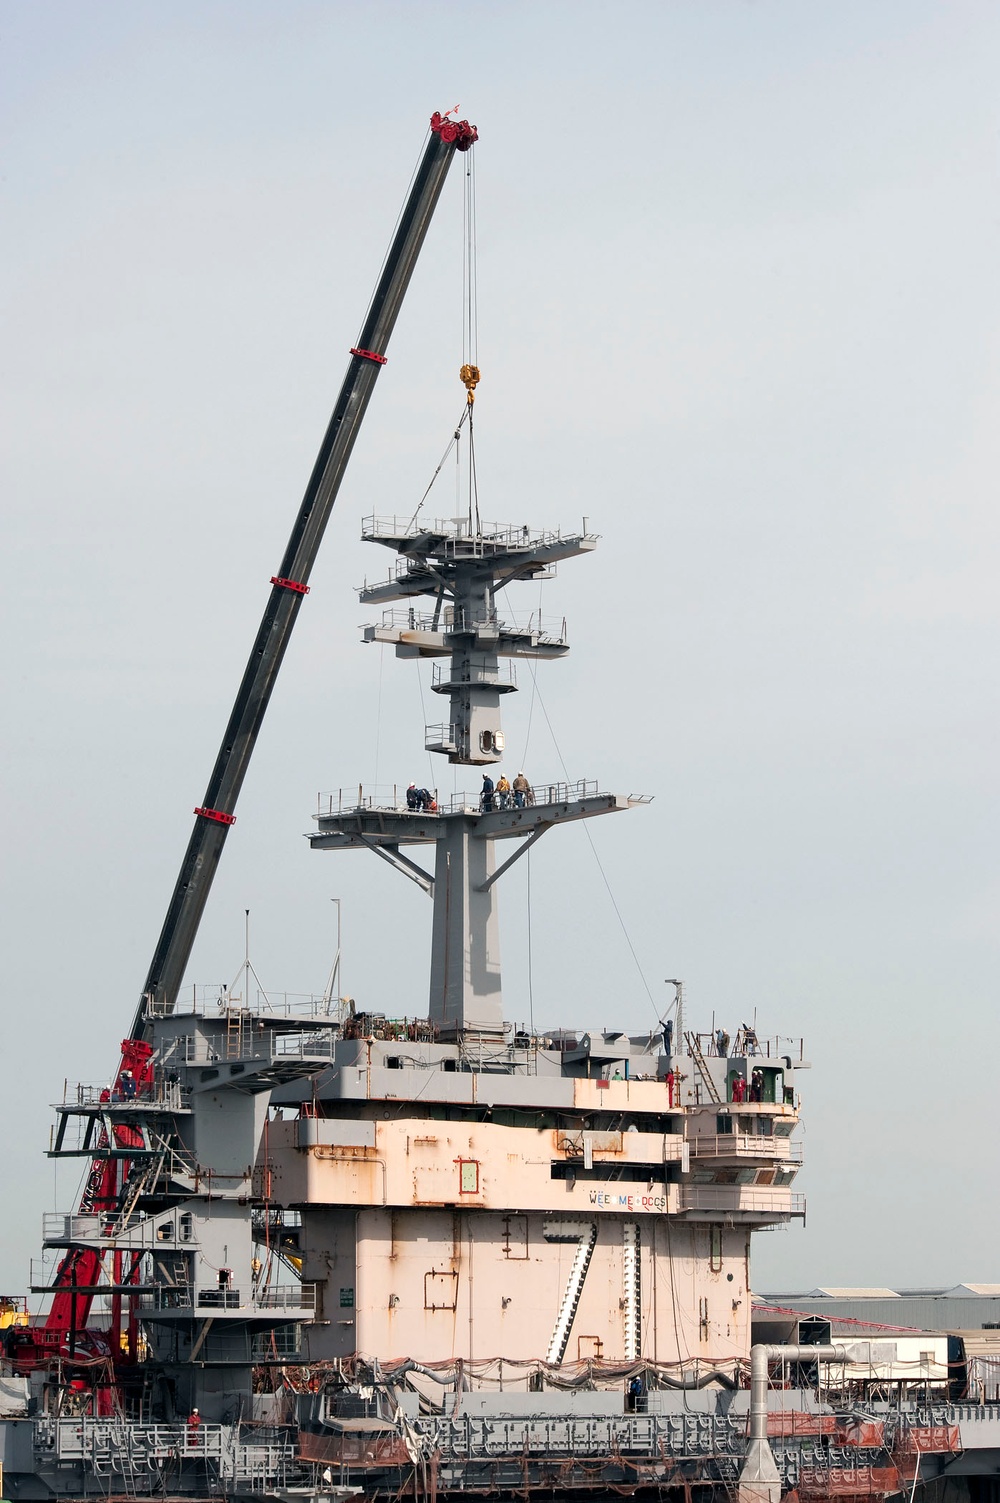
x: 245, y: 971
x: 679, y: 1004
x: 333, y: 984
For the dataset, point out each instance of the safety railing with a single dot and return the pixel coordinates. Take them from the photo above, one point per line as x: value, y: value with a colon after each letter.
x: 740, y: 1145
x: 260, y: 1048
x: 66, y: 1226
x: 216, y: 999
x: 452, y: 621
x: 746, y: 1043
x: 118, y: 1447
x: 443, y: 679
x: 390, y: 798
x: 162, y: 1095
x: 456, y: 531
x: 297, y: 1298
x: 728, y: 1198
x: 387, y: 798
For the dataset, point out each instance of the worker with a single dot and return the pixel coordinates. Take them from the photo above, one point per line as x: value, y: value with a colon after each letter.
x: 127, y: 1084
x: 722, y: 1042
x: 194, y: 1427
x: 757, y: 1085
x: 503, y: 791
x: 667, y: 1028
x: 522, y: 791
x: 411, y: 796
x: 486, y: 794
x: 739, y: 1087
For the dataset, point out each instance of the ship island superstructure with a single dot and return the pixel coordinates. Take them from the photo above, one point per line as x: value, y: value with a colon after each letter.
x: 468, y: 1189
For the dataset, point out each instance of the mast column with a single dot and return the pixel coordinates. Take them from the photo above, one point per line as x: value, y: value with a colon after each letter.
x: 465, y: 993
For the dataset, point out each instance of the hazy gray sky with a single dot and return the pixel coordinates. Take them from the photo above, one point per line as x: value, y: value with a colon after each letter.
x: 738, y: 306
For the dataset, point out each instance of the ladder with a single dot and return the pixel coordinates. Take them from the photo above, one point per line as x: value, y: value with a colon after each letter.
x: 632, y: 1290
x: 571, y: 1298
x: 235, y: 1039
x: 694, y: 1047
x: 142, y: 1176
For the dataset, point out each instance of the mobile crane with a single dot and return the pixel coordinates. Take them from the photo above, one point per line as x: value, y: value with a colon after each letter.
x: 115, y: 1178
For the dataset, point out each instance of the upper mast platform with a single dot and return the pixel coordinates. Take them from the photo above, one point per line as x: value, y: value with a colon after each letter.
x: 508, y: 552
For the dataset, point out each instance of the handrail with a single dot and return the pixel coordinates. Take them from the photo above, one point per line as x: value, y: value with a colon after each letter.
x: 389, y: 798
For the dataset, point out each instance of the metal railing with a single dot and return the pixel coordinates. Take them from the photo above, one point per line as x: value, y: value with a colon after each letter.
x: 138, y: 1452
x: 505, y: 677
x: 452, y: 621
x: 390, y: 798
x: 737, y: 1144
x: 165, y: 1095
x: 298, y: 1298
x: 215, y: 999
x: 257, y: 1048
x: 458, y: 531
x: 746, y: 1044
x: 775, y: 1199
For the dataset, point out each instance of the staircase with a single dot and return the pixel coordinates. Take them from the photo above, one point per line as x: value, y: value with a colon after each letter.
x: 586, y: 1242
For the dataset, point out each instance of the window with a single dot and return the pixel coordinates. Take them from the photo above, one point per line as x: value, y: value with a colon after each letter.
x: 715, y: 1249
x: 468, y: 1176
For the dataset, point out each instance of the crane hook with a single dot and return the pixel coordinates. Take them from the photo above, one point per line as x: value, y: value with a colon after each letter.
x: 470, y: 377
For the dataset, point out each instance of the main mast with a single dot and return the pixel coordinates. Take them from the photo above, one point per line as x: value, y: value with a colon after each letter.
x: 461, y: 569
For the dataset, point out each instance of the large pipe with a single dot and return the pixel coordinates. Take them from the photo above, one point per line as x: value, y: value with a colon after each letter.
x: 760, y: 1480
x: 760, y: 1356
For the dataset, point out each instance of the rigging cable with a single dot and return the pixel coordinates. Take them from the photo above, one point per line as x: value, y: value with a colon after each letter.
x: 441, y: 464
x: 590, y: 838
x: 378, y: 714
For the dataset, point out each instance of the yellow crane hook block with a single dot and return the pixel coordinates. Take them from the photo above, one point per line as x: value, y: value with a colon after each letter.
x: 469, y: 375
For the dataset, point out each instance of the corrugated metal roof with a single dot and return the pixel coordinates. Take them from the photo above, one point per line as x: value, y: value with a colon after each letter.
x: 941, y: 1310
x: 858, y: 1293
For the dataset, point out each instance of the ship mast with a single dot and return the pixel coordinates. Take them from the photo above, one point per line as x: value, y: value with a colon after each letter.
x: 462, y: 568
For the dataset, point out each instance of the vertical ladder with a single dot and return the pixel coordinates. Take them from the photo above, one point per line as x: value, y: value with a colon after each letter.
x: 632, y: 1290
x: 234, y: 1033
x: 574, y: 1288
x: 694, y: 1047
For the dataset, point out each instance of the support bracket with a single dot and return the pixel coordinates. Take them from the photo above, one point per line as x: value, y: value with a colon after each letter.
x: 537, y: 835
x: 392, y: 854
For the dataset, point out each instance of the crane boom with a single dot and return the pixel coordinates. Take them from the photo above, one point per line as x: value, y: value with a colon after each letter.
x: 215, y: 815
x: 76, y: 1279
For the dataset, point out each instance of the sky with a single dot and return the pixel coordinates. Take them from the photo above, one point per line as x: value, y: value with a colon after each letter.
x: 738, y: 307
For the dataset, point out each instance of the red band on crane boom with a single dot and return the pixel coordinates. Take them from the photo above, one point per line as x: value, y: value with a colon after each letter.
x: 217, y: 815
x: 371, y: 355
x: 290, y: 584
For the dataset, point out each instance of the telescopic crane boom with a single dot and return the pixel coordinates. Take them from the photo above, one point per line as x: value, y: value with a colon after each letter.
x: 76, y: 1280
x: 215, y: 815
